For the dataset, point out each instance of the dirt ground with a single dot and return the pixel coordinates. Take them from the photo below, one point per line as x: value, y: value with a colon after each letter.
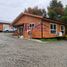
x: 16, y: 52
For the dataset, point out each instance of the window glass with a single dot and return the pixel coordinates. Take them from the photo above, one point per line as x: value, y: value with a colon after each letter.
x: 53, y: 28
x: 62, y: 29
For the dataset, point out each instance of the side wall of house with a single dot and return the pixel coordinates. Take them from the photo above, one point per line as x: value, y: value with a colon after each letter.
x: 47, y: 31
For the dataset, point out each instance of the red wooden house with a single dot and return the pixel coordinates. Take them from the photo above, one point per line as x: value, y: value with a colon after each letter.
x: 33, y: 26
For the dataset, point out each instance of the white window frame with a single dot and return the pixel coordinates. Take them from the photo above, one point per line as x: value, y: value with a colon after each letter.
x: 53, y: 27
x: 63, y: 29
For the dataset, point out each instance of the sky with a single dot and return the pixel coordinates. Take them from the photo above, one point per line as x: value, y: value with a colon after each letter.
x: 10, y: 9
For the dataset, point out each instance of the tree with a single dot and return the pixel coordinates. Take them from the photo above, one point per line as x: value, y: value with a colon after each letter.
x: 64, y: 17
x: 35, y: 11
x: 55, y: 10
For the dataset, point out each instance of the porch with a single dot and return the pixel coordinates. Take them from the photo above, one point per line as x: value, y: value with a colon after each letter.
x: 23, y: 30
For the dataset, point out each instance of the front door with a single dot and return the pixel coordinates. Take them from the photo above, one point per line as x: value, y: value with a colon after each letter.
x: 20, y: 30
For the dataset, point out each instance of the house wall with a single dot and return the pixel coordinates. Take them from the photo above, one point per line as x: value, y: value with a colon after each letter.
x: 6, y: 27
x: 36, y: 32
x: 46, y: 31
x: 1, y: 27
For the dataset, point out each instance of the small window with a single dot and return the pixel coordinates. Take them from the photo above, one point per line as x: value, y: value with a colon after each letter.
x: 53, y: 28
x: 63, y: 29
x: 31, y: 25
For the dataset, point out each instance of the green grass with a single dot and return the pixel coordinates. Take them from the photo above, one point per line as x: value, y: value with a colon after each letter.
x: 52, y: 39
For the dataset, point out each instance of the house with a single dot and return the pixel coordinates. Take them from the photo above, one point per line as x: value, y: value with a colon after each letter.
x: 33, y: 26
x: 5, y: 26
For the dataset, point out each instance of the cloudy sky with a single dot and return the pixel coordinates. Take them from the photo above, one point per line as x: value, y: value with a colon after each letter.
x: 10, y: 9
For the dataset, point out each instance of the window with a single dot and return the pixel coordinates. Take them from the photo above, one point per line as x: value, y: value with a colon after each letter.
x: 31, y: 25
x: 53, y: 28
x: 63, y: 29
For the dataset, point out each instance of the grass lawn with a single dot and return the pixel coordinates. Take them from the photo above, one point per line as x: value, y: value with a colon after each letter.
x: 52, y: 39
x: 48, y: 39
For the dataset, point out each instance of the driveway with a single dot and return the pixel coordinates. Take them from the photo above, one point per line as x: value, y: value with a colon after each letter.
x: 16, y: 52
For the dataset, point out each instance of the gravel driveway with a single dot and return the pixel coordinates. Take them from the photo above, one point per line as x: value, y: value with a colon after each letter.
x: 16, y: 52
